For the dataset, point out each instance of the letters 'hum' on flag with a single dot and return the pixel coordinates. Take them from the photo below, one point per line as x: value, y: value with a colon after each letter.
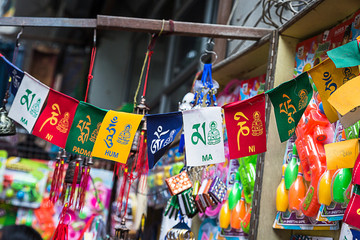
x: 328, y: 79
x: 204, y: 142
x: 55, y: 121
x: 161, y: 132
x: 116, y: 136
x: 85, y: 128
x: 28, y: 102
x: 290, y: 100
x: 347, y: 55
x: 245, y: 126
x: 346, y: 101
x: 15, y: 74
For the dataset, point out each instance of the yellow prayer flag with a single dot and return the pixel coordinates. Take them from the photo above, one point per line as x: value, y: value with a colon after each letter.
x: 328, y: 79
x: 342, y: 154
x: 116, y: 135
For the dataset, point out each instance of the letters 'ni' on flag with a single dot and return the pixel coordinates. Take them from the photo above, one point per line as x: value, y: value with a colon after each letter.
x: 116, y: 136
x: 328, y: 79
x: 15, y: 74
x: 245, y: 126
x: 161, y: 132
x: 290, y: 100
x: 204, y: 142
x: 28, y: 102
x: 55, y: 121
x: 85, y: 128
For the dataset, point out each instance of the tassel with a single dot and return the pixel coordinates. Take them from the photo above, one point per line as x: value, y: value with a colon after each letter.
x: 80, y: 189
x: 55, y: 178
x: 83, y: 188
x: 60, y: 175
x: 122, y: 188
x: 74, y: 182
x: 63, y: 193
x: 61, y: 231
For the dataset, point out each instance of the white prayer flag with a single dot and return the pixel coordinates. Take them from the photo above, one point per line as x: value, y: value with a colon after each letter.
x: 204, y: 141
x: 28, y: 102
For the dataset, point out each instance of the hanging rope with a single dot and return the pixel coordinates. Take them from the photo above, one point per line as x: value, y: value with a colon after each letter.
x: 90, y: 76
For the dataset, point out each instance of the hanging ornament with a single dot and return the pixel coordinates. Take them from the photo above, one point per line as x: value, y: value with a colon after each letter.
x: 61, y: 232
x: 72, y: 179
x: 85, y: 176
x: 58, y: 175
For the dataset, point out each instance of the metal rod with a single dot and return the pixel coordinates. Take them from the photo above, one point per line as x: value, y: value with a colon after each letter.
x: 181, y: 28
x: 48, y: 22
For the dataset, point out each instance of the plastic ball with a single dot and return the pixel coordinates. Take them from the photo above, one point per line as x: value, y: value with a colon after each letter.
x: 20, y: 195
x: 9, y: 193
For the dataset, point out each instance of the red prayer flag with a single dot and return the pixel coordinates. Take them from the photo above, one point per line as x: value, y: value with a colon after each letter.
x: 352, y: 212
x: 55, y: 121
x: 245, y: 126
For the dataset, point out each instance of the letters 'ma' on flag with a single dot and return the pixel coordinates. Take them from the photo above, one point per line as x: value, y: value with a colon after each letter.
x: 161, y: 132
x: 346, y: 101
x: 84, y: 129
x: 55, y: 121
x: 28, y: 102
x: 328, y: 79
x: 347, y: 55
x: 204, y: 140
x: 15, y: 74
x: 245, y: 126
x: 290, y: 100
x: 116, y: 136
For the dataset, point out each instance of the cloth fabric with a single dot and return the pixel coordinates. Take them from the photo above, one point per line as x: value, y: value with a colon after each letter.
x: 352, y: 212
x: 204, y: 142
x: 55, y: 121
x: 161, y: 132
x: 341, y: 154
x: 245, y: 126
x: 347, y: 55
x: 16, y: 75
x: 290, y: 100
x: 28, y: 102
x: 85, y: 128
x: 116, y: 136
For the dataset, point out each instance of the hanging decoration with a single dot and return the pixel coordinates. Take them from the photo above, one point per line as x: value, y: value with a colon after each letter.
x: 245, y: 126
x: 290, y: 100
x: 347, y: 55
x: 57, y: 178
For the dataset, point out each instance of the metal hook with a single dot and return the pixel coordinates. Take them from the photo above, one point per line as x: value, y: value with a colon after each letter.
x: 17, y: 44
x: 209, y: 50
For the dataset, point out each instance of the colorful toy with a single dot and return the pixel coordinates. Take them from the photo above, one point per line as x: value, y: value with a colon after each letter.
x: 247, y: 172
x: 324, y: 189
x: 297, y: 192
x: 235, y: 193
x: 224, y: 216
x: 282, y: 197
x: 340, y: 184
x: 238, y: 213
x: 291, y: 171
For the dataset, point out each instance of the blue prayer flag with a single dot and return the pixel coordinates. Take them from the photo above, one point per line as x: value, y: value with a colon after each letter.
x: 16, y: 75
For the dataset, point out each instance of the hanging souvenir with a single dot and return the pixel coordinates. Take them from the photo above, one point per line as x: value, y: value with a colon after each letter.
x: 28, y: 102
x: 206, y: 88
x: 85, y: 128
x: 58, y: 175
x: 328, y: 79
x: 203, y: 136
x: 161, y: 132
x: 56, y: 119
x: 245, y: 126
x: 116, y: 135
x: 290, y: 100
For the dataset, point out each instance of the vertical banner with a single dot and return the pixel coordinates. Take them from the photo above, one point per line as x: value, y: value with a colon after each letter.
x: 85, y: 128
x: 290, y: 100
x: 116, y: 136
x: 55, y: 121
x: 328, y: 79
x: 245, y: 126
x: 161, y: 132
x: 346, y: 101
x: 15, y: 74
x: 204, y: 140
x: 28, y: 102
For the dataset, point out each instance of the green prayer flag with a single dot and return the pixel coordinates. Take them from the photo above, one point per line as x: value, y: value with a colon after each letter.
x: 85, y: 128
x: 290, y: 100
x: 347, y: 55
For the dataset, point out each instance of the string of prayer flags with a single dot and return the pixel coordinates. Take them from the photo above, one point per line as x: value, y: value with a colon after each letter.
x: 328, y: 79
x: 116, y: 136
x: 161, y: 132
x: 56, y: 119
x: 28, y: 102
x: 346, y: 101
x: 204, y: 140
x: 341, y: 154
x: 85, y: 128
x: 347, y: 55
x: 15, y: 74
x: 245, y: 126
x: 290, y: 100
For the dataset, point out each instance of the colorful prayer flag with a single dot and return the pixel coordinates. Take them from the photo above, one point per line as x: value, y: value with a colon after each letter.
x: 204, y: 142
x: 55, y: 121
x: 356, y: 172
x: 116, y: 136
x: 346, y: 101
x: 341, y: 154
x: 347, y: 55
x: 85, y: 128
x: 328, y: 79
x: 161, y: 132
x: 352, y: 211
x: 290, y: 100
x: 15, y: 74
x: 28, y: 102
x: 245, y: 126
